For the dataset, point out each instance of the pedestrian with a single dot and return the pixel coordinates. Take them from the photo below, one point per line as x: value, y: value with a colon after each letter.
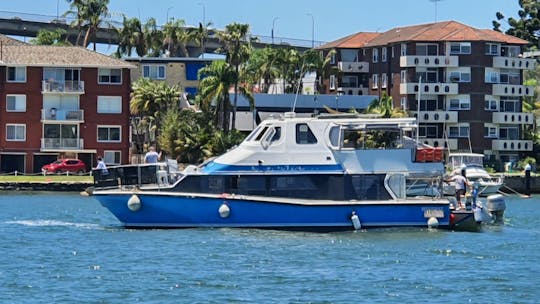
x: 528, y: 180
x: 152, y: 157
x: 101, y: 166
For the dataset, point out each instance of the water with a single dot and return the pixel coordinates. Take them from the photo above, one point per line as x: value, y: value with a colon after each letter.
x: 64, y: 248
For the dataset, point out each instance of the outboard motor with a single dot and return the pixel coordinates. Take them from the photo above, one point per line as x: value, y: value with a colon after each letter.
x: 495, y: 206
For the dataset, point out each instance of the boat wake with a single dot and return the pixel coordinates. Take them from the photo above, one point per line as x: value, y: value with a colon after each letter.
x: 53, y: 223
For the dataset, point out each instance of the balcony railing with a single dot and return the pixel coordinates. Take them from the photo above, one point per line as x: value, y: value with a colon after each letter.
x: 62, y: 115
x: 438, y: 116
x: 353, y: 90
x: 353, y: 67
x: 53, y: 86
x: 428, y: 61
x: 500, y: 89
x: 513, y: 118
x: 450, y: 143
x: 429, y: 88
x: 514, y: 63
x: 62, y: 143
x: 511, y: 145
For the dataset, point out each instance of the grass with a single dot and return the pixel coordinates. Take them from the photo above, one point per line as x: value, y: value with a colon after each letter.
x: 45, y: 179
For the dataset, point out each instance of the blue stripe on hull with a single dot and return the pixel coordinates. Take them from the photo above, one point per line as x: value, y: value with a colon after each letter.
x: 217, y: 168
x: 186, y: 211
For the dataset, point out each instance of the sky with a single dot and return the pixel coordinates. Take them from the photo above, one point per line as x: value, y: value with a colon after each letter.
x: 297, y: 19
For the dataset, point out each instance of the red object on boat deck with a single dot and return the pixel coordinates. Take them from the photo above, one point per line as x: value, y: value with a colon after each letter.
x: 429, y: 154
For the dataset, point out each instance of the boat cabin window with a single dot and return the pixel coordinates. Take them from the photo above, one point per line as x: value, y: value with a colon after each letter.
x: 271, y: 135
x: 254, y: 132
x: 304, y: 135
x: 371, y: 139
x: 260, y: 135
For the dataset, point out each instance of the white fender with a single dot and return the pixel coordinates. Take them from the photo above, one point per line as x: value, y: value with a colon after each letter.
x: 224, y: 210
x: 433, y: 222
x: 134, y: 203
x: 356, y: 221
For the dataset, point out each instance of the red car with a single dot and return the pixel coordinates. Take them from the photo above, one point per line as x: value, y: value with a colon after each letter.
x: 65, y: 165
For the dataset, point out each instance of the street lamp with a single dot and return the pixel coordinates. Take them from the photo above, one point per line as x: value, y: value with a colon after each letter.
x: 312, y: 30
x: 273, y: 24
x: 168, y: 9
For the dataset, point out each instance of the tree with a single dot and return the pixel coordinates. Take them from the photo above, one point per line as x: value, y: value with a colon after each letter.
x: 527, y: 27
x: 90, y: 14
x: 153, y: 38
x: 131, y: 36
x: 385, y: 107
x: 56, y: 37
x: 214, y: 91
x: 201, y: 34
x: 175, y: 37
x: 150, y: 100
x: 237, y: 49
x: 320, y: 65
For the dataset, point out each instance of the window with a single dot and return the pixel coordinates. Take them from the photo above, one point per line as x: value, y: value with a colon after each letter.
x: 461, y: 130
x: 333, y: 58
x: 509, y: 133
x: 427, y: 49
x: 459, y: 103
x: 490, y: 131
x: 403, y: 103
x: 510, y: 104
x: 349, y: 55
x: 375, y: 81
x: 403, y: 76
x: 332, y: 82
x: 510, y: 77
x: 349, y: 81
x: 109, y: 104
x: 384, y: 80
x: 110, y: 76
x: 383, y: 55
x: 112, y: 157
x: 492, y: 49
x: 510, y: 51
x: 304, y: 135
x: 109, y: 134
x: 429, y: 131
x: 403, y: 49
x: 16, y: 103
x: 458, y: 76
x: 490, y: 103
x: 429, y: 75
x: 16, y: 74
x: 375, y: 55
x: 154, y: 71
x: 16, y: 132
x: 491, y: 76
x: 460, y: 48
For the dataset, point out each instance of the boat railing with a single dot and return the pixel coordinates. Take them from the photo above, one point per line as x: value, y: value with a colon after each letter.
x: 134, y: 175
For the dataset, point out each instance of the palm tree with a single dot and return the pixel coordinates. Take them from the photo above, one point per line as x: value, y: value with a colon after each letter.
x: 95, y: 12
x: 131, y: 36
x: 153, y: 38
x: 214, y: 91
x: 201, y: 34
x: 320, y: 65
x: 45, y: 37
x: 174, y: 37
x: 237, y: 49
x: 384, y: 106
x: 76, y: 7
x: 262, y: 68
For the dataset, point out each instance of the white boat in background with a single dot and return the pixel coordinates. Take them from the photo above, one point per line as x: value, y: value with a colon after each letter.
x: 473, y: 164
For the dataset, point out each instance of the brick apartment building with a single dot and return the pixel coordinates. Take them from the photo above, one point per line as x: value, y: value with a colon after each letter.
x: 468, y: 83
x: 61, y: 102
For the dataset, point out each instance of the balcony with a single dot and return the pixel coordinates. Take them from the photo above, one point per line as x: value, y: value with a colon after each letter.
x: 53, y: 114
x: 438, y: 116
x: 353, y: 67
x: 428, y: 61
x: 57, y: 144
x: 511, y: 145
x: 64, y: 87
x: 450, y: 143
x: 514, y: 63
x: 500, y: 89
x: 429, y: 88
x: 353, y: 90
x: 513, y: 118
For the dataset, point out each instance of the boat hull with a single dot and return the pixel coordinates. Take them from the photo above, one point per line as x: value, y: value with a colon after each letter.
x: 166, y: 210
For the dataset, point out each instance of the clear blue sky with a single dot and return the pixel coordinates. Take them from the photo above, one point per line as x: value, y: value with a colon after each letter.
x: 293, y: 18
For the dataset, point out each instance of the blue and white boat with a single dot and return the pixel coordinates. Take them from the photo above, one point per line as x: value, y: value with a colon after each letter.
x: 330, y: 172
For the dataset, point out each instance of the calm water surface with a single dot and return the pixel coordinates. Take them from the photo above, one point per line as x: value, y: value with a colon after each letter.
x: 64, y: 248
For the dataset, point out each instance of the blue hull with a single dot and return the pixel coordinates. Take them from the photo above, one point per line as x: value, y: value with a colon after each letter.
x: 163, y: 210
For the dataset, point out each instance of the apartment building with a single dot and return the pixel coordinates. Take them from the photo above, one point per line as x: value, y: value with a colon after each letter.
x: 61, y: 102
x: 464, y: 84
x: 180, y: 71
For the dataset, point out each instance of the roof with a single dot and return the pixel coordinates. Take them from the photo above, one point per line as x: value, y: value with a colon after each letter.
x: 356, y: 40
x: 5, y: 40
x: 442, y: 31
x: 48, y: 55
